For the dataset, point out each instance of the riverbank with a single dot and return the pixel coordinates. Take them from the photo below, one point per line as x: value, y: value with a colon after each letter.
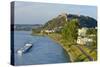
x: 57, y: 40
x: 76, y: 55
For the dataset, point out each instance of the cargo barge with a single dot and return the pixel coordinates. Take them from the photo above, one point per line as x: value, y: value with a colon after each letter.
x: 25, y: 49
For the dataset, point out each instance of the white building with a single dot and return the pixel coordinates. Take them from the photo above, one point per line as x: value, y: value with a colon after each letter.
x: 82, y: 31
x: 84, y: 41
x: 48, y: 31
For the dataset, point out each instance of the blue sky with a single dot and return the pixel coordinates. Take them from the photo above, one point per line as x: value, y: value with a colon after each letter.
x: 40, y: 13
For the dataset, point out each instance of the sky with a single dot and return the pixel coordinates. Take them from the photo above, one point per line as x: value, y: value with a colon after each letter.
x: 40, y: 13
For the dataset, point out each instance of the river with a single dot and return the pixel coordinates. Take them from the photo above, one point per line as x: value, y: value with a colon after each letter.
x: 44, y: 50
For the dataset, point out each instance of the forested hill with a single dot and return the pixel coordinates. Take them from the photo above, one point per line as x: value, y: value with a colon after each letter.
x: 84, y: 21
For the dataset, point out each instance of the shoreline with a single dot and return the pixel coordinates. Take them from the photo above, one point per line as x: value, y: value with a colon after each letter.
x: 66, y: 50
x: 70, y: 56
x: 75, y: 54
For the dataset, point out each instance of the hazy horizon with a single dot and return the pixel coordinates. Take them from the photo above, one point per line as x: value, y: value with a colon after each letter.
x: 40, y: 13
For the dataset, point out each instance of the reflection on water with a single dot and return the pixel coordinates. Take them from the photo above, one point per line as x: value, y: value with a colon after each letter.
x: 43, y: 51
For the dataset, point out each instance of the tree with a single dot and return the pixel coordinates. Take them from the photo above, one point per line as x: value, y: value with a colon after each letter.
x: 91, y: 31
x: 70, y: 30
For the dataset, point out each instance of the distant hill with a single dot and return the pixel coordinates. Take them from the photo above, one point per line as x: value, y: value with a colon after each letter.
x: 60, y: 20
x: 85, y: 21
x: 26, y: 27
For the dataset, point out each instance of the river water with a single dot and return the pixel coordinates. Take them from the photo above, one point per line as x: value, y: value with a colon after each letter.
x: 44, y: 50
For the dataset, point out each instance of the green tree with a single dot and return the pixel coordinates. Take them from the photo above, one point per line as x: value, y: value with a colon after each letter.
x: 91, y: 31
x: 70, y: 30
